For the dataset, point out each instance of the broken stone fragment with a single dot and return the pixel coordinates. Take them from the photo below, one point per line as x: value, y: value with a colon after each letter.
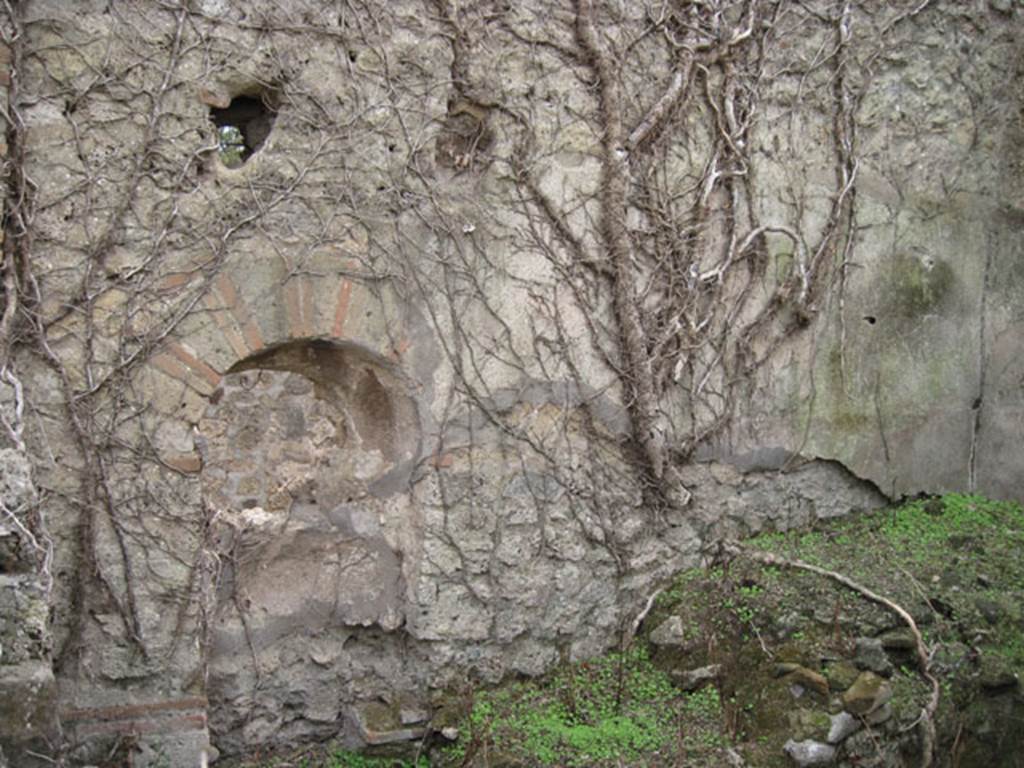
x: 898, y: 640
x: 378, y: 725
x: 841, y: 675
x: 871, y: 656
x: 868, y: 693
x: 670, y: 633
x: 693, y: 679
x: 880, y: 715
x: 809, y: 680
x: 810, y: 753
x: 413, y: 715
x: 842, y: 725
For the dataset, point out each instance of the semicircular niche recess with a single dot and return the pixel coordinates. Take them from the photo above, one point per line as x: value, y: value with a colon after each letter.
x: 301, y: 446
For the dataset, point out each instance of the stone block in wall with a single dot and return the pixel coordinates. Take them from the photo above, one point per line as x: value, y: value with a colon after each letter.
x: 28, y: 712
x: 380, y: 724
x: 28, y: 691
x: 24, y: 613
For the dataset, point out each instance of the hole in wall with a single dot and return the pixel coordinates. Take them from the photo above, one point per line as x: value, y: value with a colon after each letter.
x: 465, y: 135
x: 870, y: 319
x: 243, y: 126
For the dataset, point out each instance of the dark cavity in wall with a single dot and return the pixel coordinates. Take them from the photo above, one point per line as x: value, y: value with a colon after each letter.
x: 243, y: 127
x: 465, y: 136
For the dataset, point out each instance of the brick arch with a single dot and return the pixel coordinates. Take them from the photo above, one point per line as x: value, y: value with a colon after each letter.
x: 246, y: 312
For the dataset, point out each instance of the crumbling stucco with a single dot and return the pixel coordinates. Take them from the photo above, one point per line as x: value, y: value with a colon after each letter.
x: 328, y: 431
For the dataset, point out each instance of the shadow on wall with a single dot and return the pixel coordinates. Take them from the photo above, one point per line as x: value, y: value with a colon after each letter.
x: 366, y: 395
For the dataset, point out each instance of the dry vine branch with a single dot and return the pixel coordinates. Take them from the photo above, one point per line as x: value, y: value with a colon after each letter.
x: 647, y: 287
x: 667, y: 258
x: 20, y: 292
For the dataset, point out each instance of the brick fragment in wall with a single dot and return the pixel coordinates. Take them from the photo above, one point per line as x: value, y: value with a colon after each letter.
x: 161, y: 717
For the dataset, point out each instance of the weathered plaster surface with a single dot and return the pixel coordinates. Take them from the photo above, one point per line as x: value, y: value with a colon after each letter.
x: 340, y: 479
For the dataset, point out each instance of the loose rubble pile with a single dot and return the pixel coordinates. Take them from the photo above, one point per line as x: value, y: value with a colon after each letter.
x: 813, y: 674
x: 846, y: 698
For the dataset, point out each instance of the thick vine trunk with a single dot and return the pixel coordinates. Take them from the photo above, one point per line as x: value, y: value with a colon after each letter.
x: 637, y: 370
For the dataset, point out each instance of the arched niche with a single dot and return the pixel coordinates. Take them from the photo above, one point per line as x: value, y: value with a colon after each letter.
x: 308, y: 423
x: 302, y: 445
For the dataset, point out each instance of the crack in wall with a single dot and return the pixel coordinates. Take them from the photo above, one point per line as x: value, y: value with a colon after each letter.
x: 979, y: 401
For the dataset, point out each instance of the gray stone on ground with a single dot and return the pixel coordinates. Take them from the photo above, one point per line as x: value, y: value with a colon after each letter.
x: 671, y: 632
x: 843, y: 725
x: 810, y: 753
x: 841, y: 675
x: 880, y: 715
x: 693, y: 679
x: 872, y: 657
x: 898, y: 640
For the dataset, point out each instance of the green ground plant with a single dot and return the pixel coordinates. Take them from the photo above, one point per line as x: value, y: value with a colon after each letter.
x: 332, y: 757
x: 618, y: 709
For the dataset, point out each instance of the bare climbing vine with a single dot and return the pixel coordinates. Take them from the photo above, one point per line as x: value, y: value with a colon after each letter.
x: 610, y: 218
x: 685, y: 283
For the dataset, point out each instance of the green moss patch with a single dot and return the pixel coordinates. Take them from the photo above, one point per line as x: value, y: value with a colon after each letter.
x: 915, y: 288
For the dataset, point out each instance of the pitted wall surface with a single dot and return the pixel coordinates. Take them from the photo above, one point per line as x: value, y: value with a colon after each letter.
x: 437, y: 381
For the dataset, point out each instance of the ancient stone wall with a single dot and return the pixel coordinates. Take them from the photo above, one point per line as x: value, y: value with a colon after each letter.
x: 360, y: 363
x: 28, y: 691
